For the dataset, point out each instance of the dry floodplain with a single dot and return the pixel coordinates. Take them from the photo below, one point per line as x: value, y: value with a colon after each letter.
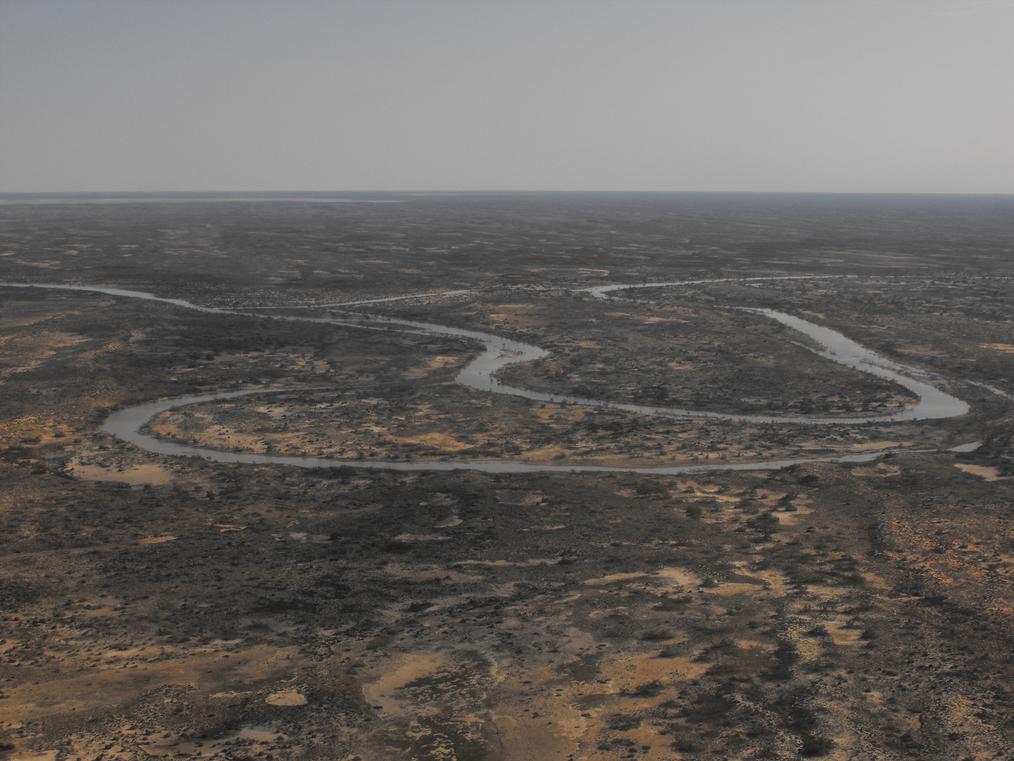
x: 444, y: 584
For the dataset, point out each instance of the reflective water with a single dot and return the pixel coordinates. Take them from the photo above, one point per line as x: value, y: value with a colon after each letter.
x: 127, y: 424
x: 499, y: 352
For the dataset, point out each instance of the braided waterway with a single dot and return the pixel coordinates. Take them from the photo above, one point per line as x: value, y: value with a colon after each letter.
x: 498, y: 352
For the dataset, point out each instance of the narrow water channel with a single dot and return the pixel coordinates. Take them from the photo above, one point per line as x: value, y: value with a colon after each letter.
x: 499, y: 352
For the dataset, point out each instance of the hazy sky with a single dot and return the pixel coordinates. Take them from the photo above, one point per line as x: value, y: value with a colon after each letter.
x: 781, y: 95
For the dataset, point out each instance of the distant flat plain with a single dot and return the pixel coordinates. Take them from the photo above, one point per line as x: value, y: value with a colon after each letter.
x: 159, y: 606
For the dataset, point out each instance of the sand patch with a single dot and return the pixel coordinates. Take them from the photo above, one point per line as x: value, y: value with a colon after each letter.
x: 275, y: 411
x: 756, y: 645
x: 842, y: 634
x: 289, y: 697
x: 546, y: 454
x: 434, y: 363
x: 985, y: 472
x: 825, y: 593
x: 398, y: 673
x: 613, y: 578
x: 875, y: 446
x: 34, y: 428
x: 254, y: 740
x: 768, y: 497
x: 802, y: 506
x: 646, y: 319
x: 516, y: 313
x: 23, y: 353
x: 441, y: 441
x: 880, y: 470
x: 668, y: 575
x: 538, y: 728
x: 729, y: 588
x: 652, y: 744
x: 147, y: 474
x: 775, y: 581
x: 94, y: 690
x: 553, y: 413
x: 157, y: 539
x: 532, y: 499
x: 703, y: 491
x: 922, y: 350
x: 629, y: 671
x: 451, y: 521
x: 681, y: 576
x: 408, y: 538
x: 1004, y: 348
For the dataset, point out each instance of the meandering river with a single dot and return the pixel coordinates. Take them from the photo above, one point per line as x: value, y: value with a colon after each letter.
x: 498, y: 352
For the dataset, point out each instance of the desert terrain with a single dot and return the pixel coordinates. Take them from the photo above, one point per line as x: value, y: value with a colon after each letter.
x: 856, y: 603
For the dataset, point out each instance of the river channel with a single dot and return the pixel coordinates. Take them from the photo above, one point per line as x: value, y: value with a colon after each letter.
x: 498, y: 352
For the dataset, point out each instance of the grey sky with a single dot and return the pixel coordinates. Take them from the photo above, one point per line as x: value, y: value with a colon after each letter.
x: 779, y: 95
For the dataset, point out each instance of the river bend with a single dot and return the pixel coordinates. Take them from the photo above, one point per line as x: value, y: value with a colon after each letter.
x: 499, y: 352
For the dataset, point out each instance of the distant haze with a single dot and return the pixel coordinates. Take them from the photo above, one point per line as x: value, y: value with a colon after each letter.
x: 754, y: 95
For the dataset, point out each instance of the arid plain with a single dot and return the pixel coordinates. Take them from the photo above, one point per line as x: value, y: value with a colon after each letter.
x: 158, y: 606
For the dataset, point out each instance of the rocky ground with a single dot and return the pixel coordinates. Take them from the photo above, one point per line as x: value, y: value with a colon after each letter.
x: 157, y: 607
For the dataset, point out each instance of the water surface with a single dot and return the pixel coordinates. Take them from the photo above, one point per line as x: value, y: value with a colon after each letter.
x: 499, y: 352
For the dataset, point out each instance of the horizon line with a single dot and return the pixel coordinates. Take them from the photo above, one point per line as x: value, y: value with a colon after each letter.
x: 416, y: 191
